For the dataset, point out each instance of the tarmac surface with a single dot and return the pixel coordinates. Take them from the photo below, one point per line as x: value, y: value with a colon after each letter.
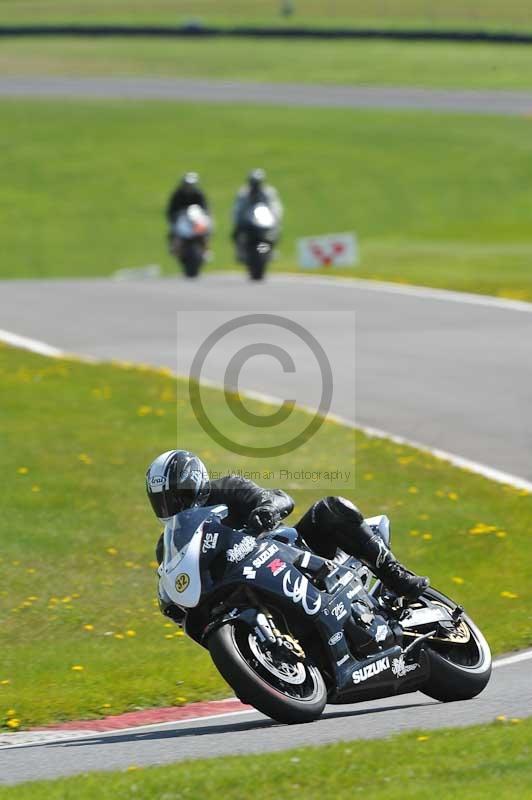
x: 251, y: 732
x: 281, y: 94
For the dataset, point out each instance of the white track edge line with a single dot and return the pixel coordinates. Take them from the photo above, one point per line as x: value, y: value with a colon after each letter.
x: 411, y: 290
x: 461, y: 462
x: 30, y: 344
x: 118, y: 731
x: 501, y: 662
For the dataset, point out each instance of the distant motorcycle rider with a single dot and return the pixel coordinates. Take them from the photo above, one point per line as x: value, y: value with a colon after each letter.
x: 255, y: 190
x: 187, y: 193
x: 178, y: 480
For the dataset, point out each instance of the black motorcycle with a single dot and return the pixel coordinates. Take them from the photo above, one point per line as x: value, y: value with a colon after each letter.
x: 256, y: 237
x: 189, y: 239
x: 291, y: 631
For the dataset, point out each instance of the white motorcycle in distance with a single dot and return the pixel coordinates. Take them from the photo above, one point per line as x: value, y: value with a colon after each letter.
x: 256, y: 238
x: 189, y: 239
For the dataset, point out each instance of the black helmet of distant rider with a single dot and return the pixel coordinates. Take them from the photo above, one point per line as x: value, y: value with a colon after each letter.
x: 175, y: 481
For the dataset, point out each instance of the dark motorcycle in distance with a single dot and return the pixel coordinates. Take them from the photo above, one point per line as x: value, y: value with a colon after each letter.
x: 291, y: 631
x: 189, y: 239
x: 256, y: 237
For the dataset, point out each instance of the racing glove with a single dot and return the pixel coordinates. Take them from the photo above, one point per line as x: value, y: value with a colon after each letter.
x: 264, y: 518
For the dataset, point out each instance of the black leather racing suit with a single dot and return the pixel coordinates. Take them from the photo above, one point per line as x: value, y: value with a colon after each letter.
x: 182, y: 199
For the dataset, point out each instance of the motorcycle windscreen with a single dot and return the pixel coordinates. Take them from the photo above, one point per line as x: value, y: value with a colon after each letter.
x: 179, y: 574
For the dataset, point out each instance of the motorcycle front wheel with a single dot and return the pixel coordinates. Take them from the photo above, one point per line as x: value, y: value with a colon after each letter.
x: 459, y: 669
x: 257, y: 261
x: 272, y: 678
x: 192, y: 255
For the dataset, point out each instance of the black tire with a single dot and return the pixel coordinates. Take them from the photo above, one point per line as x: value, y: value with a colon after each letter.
x: 192, y: 254
x: 227, y: 646
x: 257, y: 263
x: 457, y: 672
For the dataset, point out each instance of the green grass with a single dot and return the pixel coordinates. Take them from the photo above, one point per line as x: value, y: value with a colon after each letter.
x: 470, y: 763
x: 327, y: 13
x: 78, y: 536
x: 371, y: 63
x: 442, y: 200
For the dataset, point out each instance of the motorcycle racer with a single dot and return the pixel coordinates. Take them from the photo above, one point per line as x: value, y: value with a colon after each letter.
x: 177, y: 480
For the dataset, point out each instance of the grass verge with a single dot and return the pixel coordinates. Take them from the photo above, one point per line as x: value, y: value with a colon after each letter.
x: 438, y: 200
x: 470, y: 763
x: 80, y: 633
x: 333, y: 13
x: 440, y: 65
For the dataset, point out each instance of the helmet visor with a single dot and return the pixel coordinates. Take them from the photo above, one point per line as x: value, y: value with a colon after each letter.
x: 169, y: 502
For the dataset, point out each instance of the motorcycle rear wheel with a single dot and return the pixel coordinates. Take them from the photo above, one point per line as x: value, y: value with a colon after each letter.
x: 291, y: 691
x: 457, y: 671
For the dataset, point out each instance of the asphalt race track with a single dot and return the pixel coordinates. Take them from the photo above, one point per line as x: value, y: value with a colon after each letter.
x: 291, y: 94
x: 444, y: 369
x: 251, y: 732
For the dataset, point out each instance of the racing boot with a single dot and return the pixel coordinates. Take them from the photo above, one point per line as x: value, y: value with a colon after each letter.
x: 375, y: 553
x: 337, y: 519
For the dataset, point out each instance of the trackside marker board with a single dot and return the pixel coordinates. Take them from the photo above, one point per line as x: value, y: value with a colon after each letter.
x: 333, y: 250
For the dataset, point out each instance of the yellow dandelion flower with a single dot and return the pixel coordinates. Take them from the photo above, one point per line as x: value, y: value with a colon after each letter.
x: 112, y: 551
x: 119, y: 636
x: 515, y: 720
x: 153, y: 564
x: 509, y: 595
x: 501, y: 534
x: 13, y: 723
x: 131, y: 633
x: 405, y: 460
x: 414, y: 532
x: 22, y: 470
x: 169, y: 636
x: 132, y: 768
x: 457, y: 579
x: 422, y: 738
x: 427, y: 537
x: 35, y: 488
x: 88, y: 627
x: 368, y: 476
x: 181, y: 699
x: 423, y: 516
x: 180, y: 633
x: 413, y: 490
x: 5, y: 682
x: 481, y: 527
x: 84, y: 458
x: 66, y: 599
x: 77, y: 668
x: 11, y: 712
x: 452, y: 496
x: 106, y: 705
x: 31, y: 571
x: 143, y: 411
x: 501, y: 718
